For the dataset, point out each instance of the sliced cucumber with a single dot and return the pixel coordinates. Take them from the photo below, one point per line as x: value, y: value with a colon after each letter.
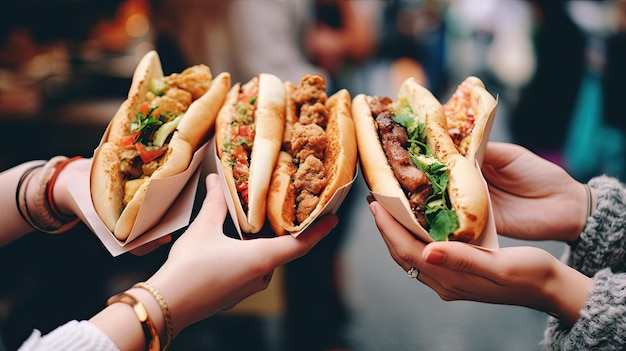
x: 157, y: 86
x: 426, y: 160
x: 160, y: 136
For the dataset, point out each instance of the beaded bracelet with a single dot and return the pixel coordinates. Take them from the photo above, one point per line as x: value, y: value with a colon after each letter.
x: 169, y: 326
x: 149, y: 330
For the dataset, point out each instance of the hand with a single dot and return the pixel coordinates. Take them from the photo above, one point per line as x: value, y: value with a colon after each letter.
x: 532, y: 198
x: 207, y: 272
x: 67, y: 204
x: 521, y: 276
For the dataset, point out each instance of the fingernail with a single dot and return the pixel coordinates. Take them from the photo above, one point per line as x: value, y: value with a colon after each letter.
x: 435, y: 257
x: 372, y: 209
x: 370, y: 199
x: 211, y: 181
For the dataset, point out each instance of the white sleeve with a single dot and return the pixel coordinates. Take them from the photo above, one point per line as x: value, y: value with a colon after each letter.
x: 72, y: 336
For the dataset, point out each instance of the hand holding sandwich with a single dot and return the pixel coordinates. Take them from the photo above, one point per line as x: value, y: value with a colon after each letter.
x: 191, y: 294
x: 194, y: 282
x: 523, y: 276
x: 528, y: 193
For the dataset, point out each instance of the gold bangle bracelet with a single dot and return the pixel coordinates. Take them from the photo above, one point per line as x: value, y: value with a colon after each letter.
x: 169, y: 325
x: 149, y: 330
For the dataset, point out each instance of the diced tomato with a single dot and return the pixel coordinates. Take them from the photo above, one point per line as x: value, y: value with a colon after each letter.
x: 246, y: 130
x: 239, y: 153
x: 148, y: 154
x: 128, y: 142
x: 242, y: 190
x: 144, y: 108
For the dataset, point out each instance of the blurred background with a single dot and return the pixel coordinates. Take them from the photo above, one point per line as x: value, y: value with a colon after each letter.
x: 65, y: 67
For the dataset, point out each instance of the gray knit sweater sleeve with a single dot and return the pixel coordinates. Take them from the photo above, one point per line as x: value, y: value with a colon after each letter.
x: 600, y: 253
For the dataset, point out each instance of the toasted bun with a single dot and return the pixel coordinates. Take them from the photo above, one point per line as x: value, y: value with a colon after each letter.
x: 107, y: 181
x: 482, y: 103
x: 107, y: 184
x: 374, y: 165
x: 465, y: 186
x: 468, y: 197
x: 339, y: 162
x: 269, y: 124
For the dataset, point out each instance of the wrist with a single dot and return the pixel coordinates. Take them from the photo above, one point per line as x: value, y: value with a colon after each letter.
x: 61, y: 195
x: 175, y: 290
x: 124, y: 322
x: 153, y: 309
x: 35, y: 198
x: 566, y: 293
x: 180, y: 311
x: 587, y: 199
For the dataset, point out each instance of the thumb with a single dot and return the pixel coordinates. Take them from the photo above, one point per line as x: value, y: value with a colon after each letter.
x: 213, y: 211
x: 287, y: 248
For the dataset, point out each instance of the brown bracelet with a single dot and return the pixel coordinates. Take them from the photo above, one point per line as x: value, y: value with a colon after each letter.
x: 169, y: 325
x: 150, y: 332
x: 20, y: 192
x: 40, y: 211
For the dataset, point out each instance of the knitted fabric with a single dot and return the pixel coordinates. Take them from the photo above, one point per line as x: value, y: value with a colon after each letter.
x: 600, y: 253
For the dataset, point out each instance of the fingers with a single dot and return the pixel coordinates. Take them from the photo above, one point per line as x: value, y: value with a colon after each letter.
x: 500, y: 154
x: 433, y: 259
x: 286, y: 248
x: 151, y: 246
x: 213, y: 211
x: 459, y: 257
x: 405, y: 249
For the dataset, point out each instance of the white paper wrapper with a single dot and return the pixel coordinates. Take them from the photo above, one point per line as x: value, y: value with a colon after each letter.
x: 488, y: 239
x: 167, y: 206
x: 331, y: 207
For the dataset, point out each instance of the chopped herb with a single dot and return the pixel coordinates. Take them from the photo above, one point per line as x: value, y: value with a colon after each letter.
x: 442, y: 219
x: 146, y: 125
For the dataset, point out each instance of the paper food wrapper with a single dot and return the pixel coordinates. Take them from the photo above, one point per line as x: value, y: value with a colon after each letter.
x: 331, y: 207
x: 167, y: 206
x: 488, y: 240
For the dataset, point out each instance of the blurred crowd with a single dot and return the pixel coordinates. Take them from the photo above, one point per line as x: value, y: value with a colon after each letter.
x: 66, y: 66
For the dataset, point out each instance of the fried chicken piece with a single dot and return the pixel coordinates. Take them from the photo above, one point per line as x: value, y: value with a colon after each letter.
x: 180, y: 95
x: 310, y: 176
x: 308, y: 140
x: 306, y: 204
x: 310, y: 181
x: 314, y: 114
x: 195, y: 79
x: 167, y: 106
x: 312, y: 89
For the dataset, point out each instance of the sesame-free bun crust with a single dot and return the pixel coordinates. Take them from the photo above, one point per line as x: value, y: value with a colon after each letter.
x: 269, y: 124
x: 466, y: 188
x: 482, y: 103
x: 339, y: 164
x: 107, y: 182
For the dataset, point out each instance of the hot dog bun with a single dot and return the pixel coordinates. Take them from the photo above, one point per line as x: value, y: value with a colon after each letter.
x: 317, y: 158
x: 466, y: 215
x: 266, y: 116
x: 467, y: 114
x: 192, y: 94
